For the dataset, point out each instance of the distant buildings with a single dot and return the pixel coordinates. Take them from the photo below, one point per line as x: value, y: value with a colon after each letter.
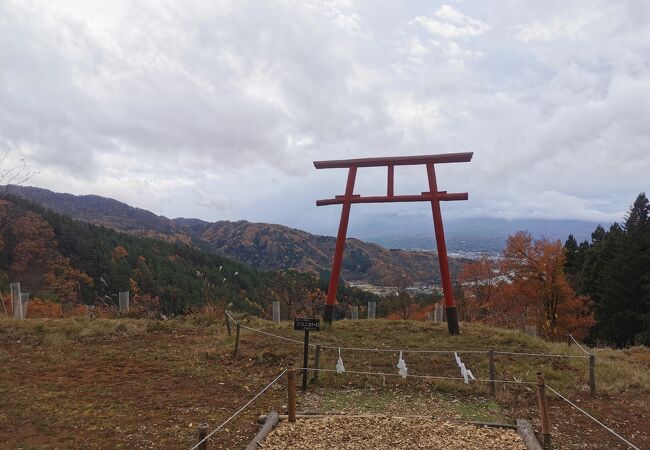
x: 384, y: 291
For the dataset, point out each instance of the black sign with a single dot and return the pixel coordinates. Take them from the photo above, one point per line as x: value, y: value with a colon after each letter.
x: 306, y: 324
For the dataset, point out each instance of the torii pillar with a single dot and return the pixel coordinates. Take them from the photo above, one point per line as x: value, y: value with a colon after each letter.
x: 433, y: 195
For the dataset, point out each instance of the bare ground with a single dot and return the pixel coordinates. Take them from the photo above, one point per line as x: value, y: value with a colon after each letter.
x: 134, y: 384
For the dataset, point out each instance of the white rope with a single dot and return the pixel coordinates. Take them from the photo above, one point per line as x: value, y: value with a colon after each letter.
x: 593, y: 418
x: 240, y: 409
x: 273, y: 335
x: 397, y: 350
x: 383, y: 374
x: 580, y: 346
x: 549, y: 355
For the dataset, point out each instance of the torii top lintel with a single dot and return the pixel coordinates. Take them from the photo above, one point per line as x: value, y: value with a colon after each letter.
x: 395, y: 161
x: 390, y: 163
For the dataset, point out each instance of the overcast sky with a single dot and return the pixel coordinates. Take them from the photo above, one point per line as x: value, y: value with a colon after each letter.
x: 216, y: 109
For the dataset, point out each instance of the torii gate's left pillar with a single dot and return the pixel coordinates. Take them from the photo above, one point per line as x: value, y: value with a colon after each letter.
x: 340, y: 246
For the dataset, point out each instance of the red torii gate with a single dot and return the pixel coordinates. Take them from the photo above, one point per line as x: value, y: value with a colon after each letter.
x: 432, y: 195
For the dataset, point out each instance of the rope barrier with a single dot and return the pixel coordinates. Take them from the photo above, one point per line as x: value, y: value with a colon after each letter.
x: 273, y: 335
x: 240, y: 409
x: 580, y: 346
x: 433, y: 377
x: 394, y: 350
x: 550, y: 355
x: 593, y: 418
x: 382, y: 374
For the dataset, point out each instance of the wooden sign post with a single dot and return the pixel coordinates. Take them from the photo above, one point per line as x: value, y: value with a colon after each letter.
x: 307, y: 325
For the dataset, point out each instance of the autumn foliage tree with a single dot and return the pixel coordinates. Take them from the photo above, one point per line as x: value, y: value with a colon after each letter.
x: 35, y: 260
x: 481, y: 280
x: 527, y: 286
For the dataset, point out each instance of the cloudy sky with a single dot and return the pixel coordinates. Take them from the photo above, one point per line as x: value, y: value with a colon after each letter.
x: 216, y: 109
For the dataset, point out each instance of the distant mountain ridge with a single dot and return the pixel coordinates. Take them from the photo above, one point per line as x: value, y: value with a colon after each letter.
x: 259, y: 245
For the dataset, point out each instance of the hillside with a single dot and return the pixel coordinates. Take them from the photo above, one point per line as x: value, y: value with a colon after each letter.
x: 260, y: 245
x: 71, y: 262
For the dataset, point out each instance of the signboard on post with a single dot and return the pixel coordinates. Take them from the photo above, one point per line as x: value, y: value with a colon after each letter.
x: 306, y: 325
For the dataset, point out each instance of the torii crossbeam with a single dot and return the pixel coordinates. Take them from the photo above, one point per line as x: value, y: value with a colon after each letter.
x: 433, y: 195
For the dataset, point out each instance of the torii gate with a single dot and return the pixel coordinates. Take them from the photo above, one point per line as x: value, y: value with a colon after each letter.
x: 432, y: 195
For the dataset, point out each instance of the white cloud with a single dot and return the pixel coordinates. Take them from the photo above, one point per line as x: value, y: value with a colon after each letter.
x: 217, y: 109
x: 448, y: 22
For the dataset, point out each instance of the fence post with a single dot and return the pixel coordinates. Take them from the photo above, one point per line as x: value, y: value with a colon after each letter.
x: 124, y: 302
x: 493, y: 384
x: 543, y: 411
x: 314, y: 378
x: 237, y: 343
x: 276, y: 312
x: 16, y: 304
x: 592, y: 374
x: 227, y: 323
x: 203, y: 432
x: 291, y: 390
x: 2, y: 303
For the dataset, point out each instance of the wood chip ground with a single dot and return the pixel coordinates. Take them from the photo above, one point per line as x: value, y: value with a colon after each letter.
x: 383, y: 433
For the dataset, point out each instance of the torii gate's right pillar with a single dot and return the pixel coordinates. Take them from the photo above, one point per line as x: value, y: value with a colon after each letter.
x: 445, y: 274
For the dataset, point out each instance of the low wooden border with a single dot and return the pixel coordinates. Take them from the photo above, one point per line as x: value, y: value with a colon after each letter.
x: 270, y: 422
x: 525, y: 430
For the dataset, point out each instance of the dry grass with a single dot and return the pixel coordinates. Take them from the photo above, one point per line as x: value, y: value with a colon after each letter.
x: 116, y: 376
x: 616, y: 370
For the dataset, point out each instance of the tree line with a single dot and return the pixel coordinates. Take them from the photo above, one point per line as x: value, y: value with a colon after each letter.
x: 67, y: 262
x: 598, y: 291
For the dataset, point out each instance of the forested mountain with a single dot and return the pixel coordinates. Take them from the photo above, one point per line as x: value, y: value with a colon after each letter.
x: 614, y: 271
x: 260, y: 245
x: 64, y: 260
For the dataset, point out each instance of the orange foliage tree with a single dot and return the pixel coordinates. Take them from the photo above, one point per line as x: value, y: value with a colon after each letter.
x: 36, y: 261
x: 481, y: 279
x: 526, y: 287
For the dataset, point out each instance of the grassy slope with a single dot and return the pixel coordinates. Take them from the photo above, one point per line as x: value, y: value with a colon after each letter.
x: 139, y: 384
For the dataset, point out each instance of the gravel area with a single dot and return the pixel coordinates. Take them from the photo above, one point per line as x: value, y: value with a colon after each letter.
x: 385, y: 433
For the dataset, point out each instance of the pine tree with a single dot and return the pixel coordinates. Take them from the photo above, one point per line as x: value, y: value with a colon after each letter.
x: 620, y: 279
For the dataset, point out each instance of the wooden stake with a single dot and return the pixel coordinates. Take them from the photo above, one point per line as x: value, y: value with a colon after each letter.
x: 314, y: 378
x: 203, y: 432
x: 592, y: 374
x: 228, y: 323
x: 543, y: 411
x: 291, y: 390
x: 237, y: 343
x: 493, y: 384
x: 2, y: 302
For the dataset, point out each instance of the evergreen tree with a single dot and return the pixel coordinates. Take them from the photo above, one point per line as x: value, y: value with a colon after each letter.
x: 619, y: 279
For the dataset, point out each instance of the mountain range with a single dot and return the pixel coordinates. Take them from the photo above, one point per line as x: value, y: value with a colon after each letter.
x: 259, y: 245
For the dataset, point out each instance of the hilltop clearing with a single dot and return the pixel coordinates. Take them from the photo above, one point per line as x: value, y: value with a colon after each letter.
x: 143, y: 384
